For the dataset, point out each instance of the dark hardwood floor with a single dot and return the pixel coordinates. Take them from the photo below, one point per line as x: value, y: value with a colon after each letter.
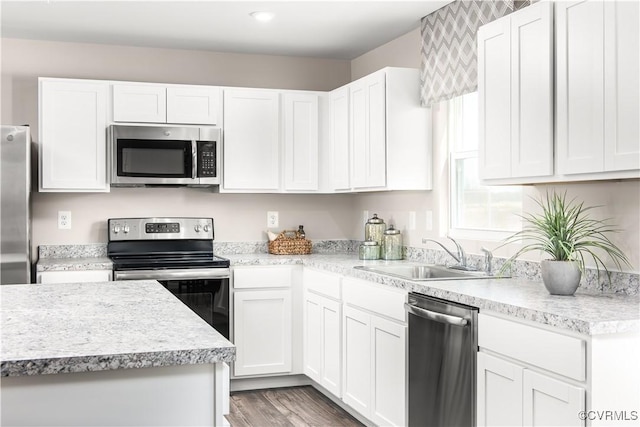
x: 288, y: 406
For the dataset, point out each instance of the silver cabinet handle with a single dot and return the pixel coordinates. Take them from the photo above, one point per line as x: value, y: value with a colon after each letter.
x: 437, y: 317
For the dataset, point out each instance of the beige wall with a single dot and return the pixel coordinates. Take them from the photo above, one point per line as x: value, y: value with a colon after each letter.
x: 401, y: 52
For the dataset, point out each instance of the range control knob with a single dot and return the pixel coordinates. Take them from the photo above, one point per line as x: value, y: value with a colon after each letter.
x: 197, y: 228
x: 126, y: 229
x: 116, y: 229
x: 206, y: 228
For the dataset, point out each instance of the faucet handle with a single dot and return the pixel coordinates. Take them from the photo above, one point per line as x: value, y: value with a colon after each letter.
x: 488, y: 257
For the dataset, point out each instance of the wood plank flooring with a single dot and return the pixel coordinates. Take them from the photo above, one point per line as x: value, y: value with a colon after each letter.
x: 287, y: 406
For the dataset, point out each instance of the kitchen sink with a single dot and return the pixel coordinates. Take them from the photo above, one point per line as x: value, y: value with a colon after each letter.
x: 424, y: 272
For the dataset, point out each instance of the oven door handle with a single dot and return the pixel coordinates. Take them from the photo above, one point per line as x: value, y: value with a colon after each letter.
x: 190, y: 274
x: 437, y: 317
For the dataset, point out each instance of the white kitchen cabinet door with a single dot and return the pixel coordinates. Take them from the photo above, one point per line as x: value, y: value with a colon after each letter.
x: 494, y: 94
x: 262, y: 332
x: 622, y: 89
x: 499, y: 392
x: 368, y: 131
x: 74, y: 276
x: 515, y: 74
x: 322, y: 342
x: 340, y: 147
x: 388, y: 351
x: 193, y: 105
x: 73, y: 145
x: 251, y: 140
x: 139, y: 103
x: 312, y: 336
x: 532, y: 122
x: 549, y: 402
x: 579, y: 86
x: 356, y: 344
x: 300, y: 142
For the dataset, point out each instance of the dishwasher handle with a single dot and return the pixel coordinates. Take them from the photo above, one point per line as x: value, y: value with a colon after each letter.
x: 437, y: 317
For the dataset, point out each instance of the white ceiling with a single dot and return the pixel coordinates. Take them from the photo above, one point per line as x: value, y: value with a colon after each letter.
x: 323, y: 29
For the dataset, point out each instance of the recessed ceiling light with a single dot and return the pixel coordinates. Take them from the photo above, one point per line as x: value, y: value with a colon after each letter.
x: 262, y: 16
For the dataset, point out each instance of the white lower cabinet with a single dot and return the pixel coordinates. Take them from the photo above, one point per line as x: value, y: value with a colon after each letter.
x: 374, y: 340
x: 73, y: 276
x: 262, y: 320
x: 535, y: 389
x: 322, y: 343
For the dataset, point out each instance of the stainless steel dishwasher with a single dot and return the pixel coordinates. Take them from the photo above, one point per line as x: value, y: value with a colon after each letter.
x: 443, y: 344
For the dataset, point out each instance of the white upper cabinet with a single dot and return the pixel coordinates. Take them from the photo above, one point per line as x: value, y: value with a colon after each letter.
x: 380, y: 135
x: 580, y: 87
x: 251, y: 140
x: 193, y: 104
x: 515, y: 75
x: 596, y: 73
x: 597, y: 88
x: 139, y: 103
x: 368, y: 137
x: 300, y: 141
x: 271, y: 141
x: 152, y: 103
x: 72, y: 141
x: 340, y: 148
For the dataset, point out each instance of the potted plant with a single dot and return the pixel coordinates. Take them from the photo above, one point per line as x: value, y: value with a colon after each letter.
x: 565, y: 231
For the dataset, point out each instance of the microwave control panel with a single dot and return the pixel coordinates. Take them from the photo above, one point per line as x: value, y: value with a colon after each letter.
x: 207, y: 159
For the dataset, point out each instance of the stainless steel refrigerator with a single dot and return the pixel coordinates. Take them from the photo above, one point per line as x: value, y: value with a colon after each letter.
x: 15, y: 191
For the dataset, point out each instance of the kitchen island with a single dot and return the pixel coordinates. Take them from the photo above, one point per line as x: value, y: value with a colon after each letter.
x: 110, y: 353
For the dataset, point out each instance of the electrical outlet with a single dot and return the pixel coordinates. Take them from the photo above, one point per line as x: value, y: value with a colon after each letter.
x: 272, y: 219
x: 429, y: 221
x: 64, y: 220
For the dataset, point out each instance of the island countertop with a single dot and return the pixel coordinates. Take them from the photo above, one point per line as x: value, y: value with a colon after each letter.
x: 80, y: 327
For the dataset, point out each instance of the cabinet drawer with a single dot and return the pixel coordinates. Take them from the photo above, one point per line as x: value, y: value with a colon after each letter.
x: 262, y: 277
x: 376, y: 298
x: 555, y: 352
x: 322, y: 283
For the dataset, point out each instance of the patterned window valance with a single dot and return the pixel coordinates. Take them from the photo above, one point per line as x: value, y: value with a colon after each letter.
x: 449, y: 48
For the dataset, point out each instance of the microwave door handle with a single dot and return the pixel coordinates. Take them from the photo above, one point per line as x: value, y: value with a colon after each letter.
x: 194, y: 159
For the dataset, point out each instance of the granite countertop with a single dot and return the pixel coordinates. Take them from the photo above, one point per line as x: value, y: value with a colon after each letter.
x: 588, y: 313
x: 584, y: 313
x: 74, y: 264
x: 78, y: 327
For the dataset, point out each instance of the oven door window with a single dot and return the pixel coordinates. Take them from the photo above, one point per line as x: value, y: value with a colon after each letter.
x: 208, y: 298
x: 157, y: 159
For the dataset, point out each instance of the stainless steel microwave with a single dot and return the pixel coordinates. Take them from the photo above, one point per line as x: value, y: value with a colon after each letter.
x: 163, y: 155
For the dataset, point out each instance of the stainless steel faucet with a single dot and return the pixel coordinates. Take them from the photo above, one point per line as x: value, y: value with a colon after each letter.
x: 461, y: 257
x: 488, y: 258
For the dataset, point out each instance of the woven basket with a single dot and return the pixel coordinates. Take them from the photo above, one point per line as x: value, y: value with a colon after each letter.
x: 289, y: 242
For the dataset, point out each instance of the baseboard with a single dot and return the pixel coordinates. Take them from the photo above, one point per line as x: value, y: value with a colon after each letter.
x: 258, y: 383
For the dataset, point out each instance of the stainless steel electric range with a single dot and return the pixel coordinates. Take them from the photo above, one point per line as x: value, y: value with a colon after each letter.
x: 178, y: 253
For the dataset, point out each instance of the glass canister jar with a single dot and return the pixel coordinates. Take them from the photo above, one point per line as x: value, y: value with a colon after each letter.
x: 369, y: 249
x: 392, y: 244
x: 374, y: 229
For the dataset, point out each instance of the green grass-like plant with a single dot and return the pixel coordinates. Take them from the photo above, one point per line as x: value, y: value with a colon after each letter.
x: 565, y: 231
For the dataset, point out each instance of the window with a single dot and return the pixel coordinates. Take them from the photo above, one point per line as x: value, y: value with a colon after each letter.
x: 475, y: 209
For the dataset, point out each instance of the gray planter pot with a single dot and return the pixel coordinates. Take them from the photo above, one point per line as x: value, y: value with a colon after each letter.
x: 560, y: 277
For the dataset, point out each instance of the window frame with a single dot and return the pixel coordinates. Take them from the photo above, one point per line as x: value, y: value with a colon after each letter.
x: 454, y: 130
